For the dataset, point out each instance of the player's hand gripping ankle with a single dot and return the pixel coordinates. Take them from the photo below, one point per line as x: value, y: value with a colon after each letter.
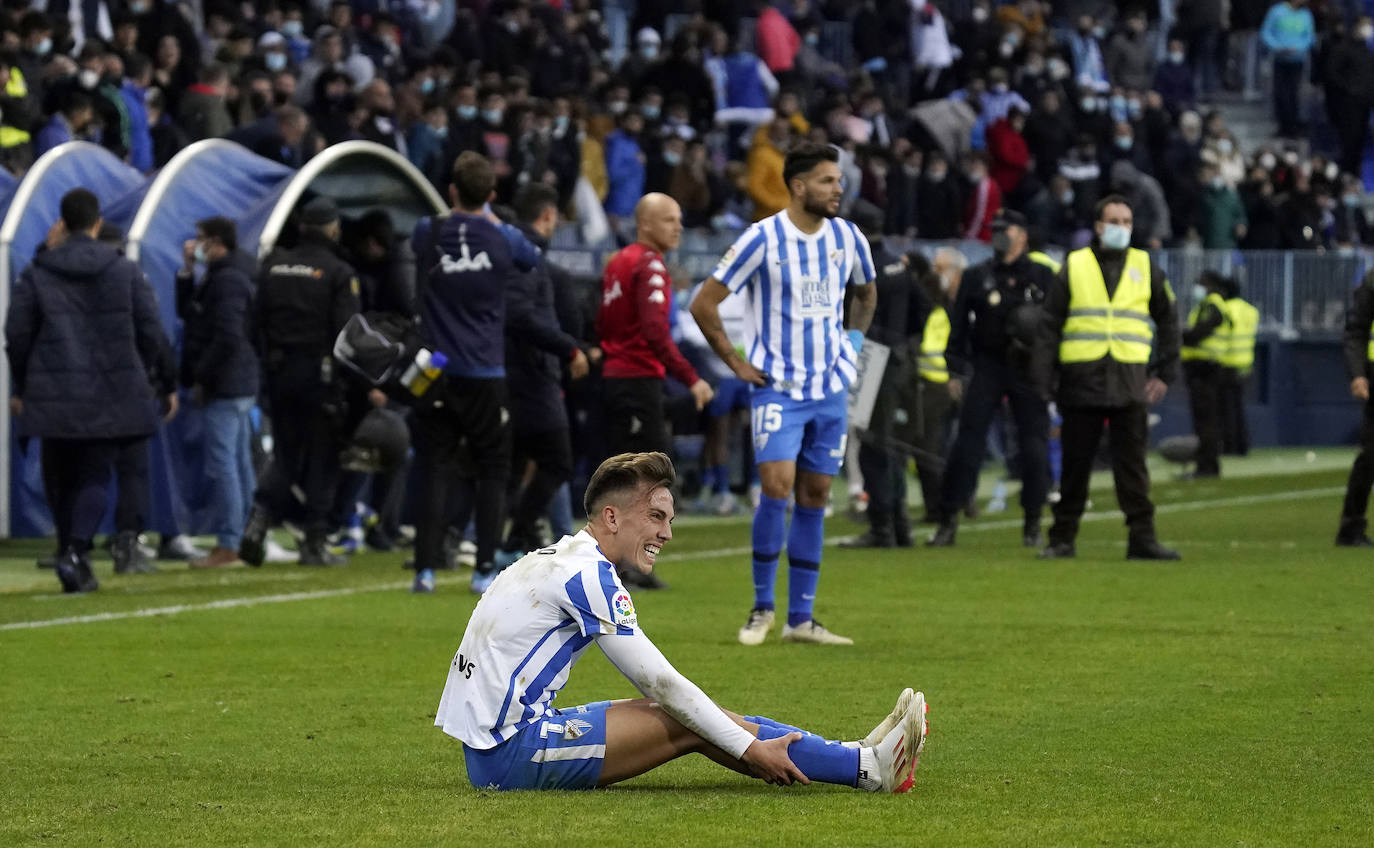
x: 769, y: 762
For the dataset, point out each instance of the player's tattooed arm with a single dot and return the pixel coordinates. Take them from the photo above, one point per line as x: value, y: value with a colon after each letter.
x: 863, y: 307
x: 706, y: 310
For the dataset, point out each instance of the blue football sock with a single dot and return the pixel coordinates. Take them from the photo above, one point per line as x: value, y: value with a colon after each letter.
x: 804, y: 543
x: 765, y: 721
x: 770, y: 526
x: 817, y: 758
x: 719, y: 478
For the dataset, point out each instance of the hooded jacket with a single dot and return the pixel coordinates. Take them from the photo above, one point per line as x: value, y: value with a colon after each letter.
x: 82, y: 336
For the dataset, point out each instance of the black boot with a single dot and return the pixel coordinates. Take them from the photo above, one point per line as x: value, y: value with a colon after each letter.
x: 1352, y: 534
x: 251, y: 546
x: 1058, y: 550
x: 1030, y: 533
x: 1150, y: 548
x: 944, y: 534
x: 901, y: 528
x: 74, y: 570
x: 315, y: 551
x: 878, y: 535
x: 128, y: 559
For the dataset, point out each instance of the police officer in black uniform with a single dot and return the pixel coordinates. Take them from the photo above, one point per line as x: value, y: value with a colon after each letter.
x: 993, y: 332
x: 1359, y: 362
x: 305, y: 296
x: 885, y: 447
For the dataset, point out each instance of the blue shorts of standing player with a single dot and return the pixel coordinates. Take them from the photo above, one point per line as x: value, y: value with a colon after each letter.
x: 811, y: 433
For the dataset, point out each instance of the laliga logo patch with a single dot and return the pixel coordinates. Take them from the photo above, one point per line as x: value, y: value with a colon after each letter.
x: 624, y: 610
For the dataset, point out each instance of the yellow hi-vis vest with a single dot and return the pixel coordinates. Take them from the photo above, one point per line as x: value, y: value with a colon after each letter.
x: 934, y: 338
x: 1214, y: 347
x: 1097, y: 327
x: 1240, y: 346
x: 1039, y: 257
x: 13, y: 136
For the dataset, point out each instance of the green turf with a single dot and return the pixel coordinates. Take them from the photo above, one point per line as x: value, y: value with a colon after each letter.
x: 1223, y: 700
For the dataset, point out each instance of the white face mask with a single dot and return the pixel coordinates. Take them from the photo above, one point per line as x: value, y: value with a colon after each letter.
x: 1268, y: 161
x: 1116, y: 237
x: 980, y: 14
x: 1224, y: 147
x: 1199, y: 292
x: 88, y: 78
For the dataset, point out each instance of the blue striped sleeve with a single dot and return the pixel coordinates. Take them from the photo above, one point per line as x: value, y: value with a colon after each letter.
x: 619, y: 603
x: 587, y: 621
x: 740, y: 262
x: 865, y: 256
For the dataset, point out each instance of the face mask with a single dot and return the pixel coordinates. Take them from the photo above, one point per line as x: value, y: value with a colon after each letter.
x: 427, y: 85
x: 138, y: 7
x: 1268, y: 161
x: 1001, y: 243
x: 88, y: 78
x: 1059, y: 69
x: 980, y: 14
x: 512, y: 27
x: 1224, y: 147
x: 1291, y: 157
x: 1067, y: 197
x: 813, y: 39
x: 467, y: 113
x: 617, y: 107
x: 649, y: 51
x: 673, y: 159
x: 936, y: 176
x: 649, y: 111
x: 1123, y: 142
x: 1199, y: 292
x: 275, y: 61
x: 1351, y: 200
x: 1135, y: 108
x: 1218, y: 183
x: 1365, y: 33
x: 1176, y: 57
x: 199, y: 253
x: 492, y: 116
x: 1000, y: 88
x: 560, y: 124
x: 1117, y: 104
x: 1035, y: 69
x: 43, y: 47
x: 1089, y: 104
x: 292, y: 28
x: 1099, y: 32
x: 1116, y: 237
x: 911, y: 170
x: 1006, y: 48
x: 1332, y: 171
x: 441, y: 132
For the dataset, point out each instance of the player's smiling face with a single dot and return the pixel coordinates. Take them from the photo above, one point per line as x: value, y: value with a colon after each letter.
x: 824, y: 189
x: 645, y: 527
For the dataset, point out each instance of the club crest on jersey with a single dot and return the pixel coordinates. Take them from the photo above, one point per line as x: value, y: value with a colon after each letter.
x: 624, y: 610
x: 575, y: 728
x: 837, y: 258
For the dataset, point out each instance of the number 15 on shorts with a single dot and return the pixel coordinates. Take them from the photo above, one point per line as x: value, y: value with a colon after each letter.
x: 767, y: 421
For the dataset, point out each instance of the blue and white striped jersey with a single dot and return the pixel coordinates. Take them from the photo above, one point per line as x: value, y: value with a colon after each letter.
x: 796, y: 283
x: 530, y: 626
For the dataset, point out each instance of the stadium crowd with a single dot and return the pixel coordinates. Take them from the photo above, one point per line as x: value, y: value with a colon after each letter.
x: 952, y: 121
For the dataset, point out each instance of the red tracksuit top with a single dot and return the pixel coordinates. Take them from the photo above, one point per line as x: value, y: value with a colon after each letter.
x: 636, y: 294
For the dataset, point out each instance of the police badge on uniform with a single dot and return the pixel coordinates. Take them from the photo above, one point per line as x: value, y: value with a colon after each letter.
x: 994, y: 297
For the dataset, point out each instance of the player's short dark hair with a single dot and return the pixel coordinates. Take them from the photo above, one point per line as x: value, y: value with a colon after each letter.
x: 804, y: 156
x: 474, y: 179
x: 1110, y: 200
x: 531, y: 201
x: 80, y: 210
x: 627, y: 472
x: 221, y: 229
x: 377, y: 226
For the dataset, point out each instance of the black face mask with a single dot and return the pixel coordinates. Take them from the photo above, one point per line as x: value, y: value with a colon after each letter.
x: 1001, y: 244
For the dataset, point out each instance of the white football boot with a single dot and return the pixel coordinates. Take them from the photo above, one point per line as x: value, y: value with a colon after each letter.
x: 885, y: 726
x: 896, y: 755
x: 813, y: 632
x: 755, y: 630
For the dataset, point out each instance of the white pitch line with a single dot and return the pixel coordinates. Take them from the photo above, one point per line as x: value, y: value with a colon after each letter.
x: 230, y: 603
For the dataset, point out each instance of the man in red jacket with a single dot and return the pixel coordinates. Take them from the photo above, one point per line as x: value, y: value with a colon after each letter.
x: 1009, y: 152
x: 636, y: 295
x: 984, y: 198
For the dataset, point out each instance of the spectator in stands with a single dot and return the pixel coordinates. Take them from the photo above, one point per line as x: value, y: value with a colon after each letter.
x: 1065, y: 226
x: 220, y: 367
x: 1083, y: 170
x: 1125, y: 149
x: 1025, y: 15
x: 1174, y: 79
x: 1222, y: 222
x: 167, y: 138
x: 1009, y: 154
x: 1130, y: 57
x: 1352, y: 227
x: 1300, y: 216
x: 204, y: 113
x: 1349, y: 87
x: 976, y: 37
x: 931, y: 53
x: 941, y: 201
x: 1261, y: 211
x: 1049, y: 134
x: 70, y: 124
x: 1289, y: 33
x: 984, y: 198
x: 625, y: 161
x: 426, y: 141
x: 1152, y: 227
x: 380, y: 124
x: 1201, y: 23
x: 766, y: 156
x: 1085, y: 46
x: 775, y: 39
x: 903, y: 191
x: 694, y: 187
x: 134, y: 93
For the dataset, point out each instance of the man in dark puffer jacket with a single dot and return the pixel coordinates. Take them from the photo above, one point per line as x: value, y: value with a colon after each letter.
x: 82, y: 333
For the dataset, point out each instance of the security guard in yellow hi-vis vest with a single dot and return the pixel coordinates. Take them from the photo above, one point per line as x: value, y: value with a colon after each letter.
x: 1236, y: 364
x: 1359, y: 363
x: 1205, y: 342
x: 1098, y: 326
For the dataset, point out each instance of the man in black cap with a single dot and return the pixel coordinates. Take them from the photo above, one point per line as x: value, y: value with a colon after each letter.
x: 993, y: 330
x: 305, y: 296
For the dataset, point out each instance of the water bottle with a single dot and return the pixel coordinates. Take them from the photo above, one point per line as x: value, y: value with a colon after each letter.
x: 416, y: 377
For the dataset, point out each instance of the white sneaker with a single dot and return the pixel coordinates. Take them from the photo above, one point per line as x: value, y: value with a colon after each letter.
x: 897, y: 753
x: 275, y: 552
x: 726, y: 504
x: 755, y: 630
x: 814, y: 633
x: 885, y: 726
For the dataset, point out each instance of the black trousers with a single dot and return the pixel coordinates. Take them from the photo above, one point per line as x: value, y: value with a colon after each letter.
x: 131, y: 478
x: 1235, y: 430
x: 1204, y: 400
x: 462, y: 441
x: 634, y: 415
x: 551, y: 454
x: 1129, y: 438
x: 307, y: 427
x: 76, y: 475
x: 930, y: 443
x: 1287, y: 84
x: 1353, y: 521
x: 991, y: 382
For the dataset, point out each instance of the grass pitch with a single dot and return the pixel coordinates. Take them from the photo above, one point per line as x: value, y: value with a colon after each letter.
x: 1223, y: 700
